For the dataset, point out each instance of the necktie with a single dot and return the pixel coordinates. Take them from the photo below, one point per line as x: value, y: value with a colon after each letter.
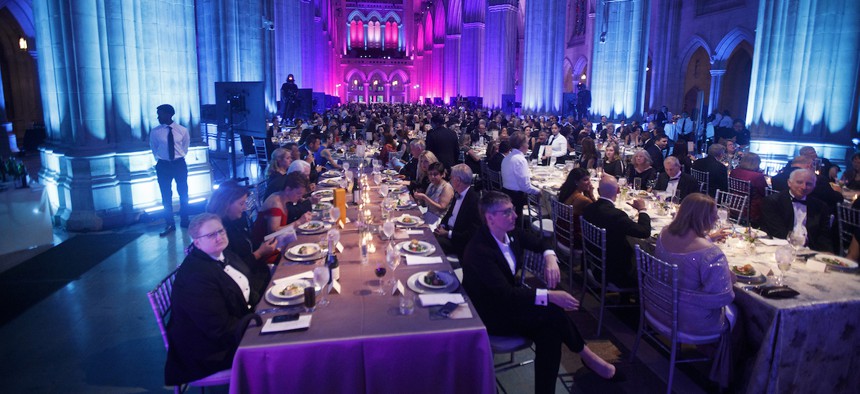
x: 551, y: 139
x: 171, y: 148
x: 456, y: 195
x: 683, y: 124
x: 799, y: 201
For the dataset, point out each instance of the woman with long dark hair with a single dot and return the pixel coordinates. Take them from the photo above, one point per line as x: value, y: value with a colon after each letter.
x: 576, y: 191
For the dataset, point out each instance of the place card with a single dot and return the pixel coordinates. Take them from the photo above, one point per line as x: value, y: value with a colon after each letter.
x: 815, y: 265
x: 303, y: 322
x: 335, y: 286
x: 339, y: 247
x: 422, y: 260
x: 773, y: 242
x: 303, y: 275
x: 398, y: 288
x: 440, y: 299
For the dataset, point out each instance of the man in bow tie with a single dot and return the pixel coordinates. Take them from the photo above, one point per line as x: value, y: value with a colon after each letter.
x: 797, y: 212
x: 462, y: 220
x: 674, y: 181
x: 169, y: 142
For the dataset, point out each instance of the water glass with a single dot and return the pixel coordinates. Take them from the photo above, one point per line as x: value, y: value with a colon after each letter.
x: 784, y: 255
x: 321, y: 279
x: 407, y: 304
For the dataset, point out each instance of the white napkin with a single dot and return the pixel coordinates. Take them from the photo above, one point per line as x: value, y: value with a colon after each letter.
x: 440, y: 299
x: 303, y: 275
x: 414, y: 232
x: 288, y: 230
x: 422, y: 260
x: 304, y: 321
x: 462, y: 312
x: 773, y: 242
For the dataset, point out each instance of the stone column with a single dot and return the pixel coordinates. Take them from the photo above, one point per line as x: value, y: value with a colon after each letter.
x: 716, y: 86
x: 100, y: 102
x: 367, y: 92
x: 620, y: 32
x: 543, y: 72
x: 500, y: 56
x: 387, y: 98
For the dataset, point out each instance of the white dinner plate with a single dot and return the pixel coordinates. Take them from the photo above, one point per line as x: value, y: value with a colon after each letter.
x: 408, y: 220
x: 290, y: 290
x: 313, y: 227
x: 422, y: 280
x: 310, y: 250
x: 324, y: 195
x: 427, y: 248
x: 333, y: 182
x: 418, y: 287
x: 835, y: 262
x: 321, y: 206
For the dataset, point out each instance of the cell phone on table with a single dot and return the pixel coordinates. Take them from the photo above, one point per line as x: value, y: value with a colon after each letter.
x: 447, y: 309
x: 284, y: 318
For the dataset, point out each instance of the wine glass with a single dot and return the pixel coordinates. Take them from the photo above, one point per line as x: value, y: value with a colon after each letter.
x: 784, y: 255
x: 637, y: 183
x: 334, y: 236
x: 321, y: 279
x: 622, y: 182
x: 380, y: 273
x: 383, y: 189
x: 345, y: 166
x: 388, y: 229
x: 723, y: 214
x: 377, y: 178
x: 796, y: 239
x: 334, y: 212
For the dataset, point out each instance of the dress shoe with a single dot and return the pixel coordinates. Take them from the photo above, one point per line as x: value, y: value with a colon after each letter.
x: 167, y: 230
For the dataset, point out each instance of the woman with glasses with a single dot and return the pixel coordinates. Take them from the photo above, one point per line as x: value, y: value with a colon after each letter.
x: 212, y: 302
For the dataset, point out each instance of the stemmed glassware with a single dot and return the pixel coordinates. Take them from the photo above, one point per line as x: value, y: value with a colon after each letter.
x: 334, y: 212
x: 797, y: 239
x: 723, y: 214
x: 388, y: 229
x: 784, y: 255
x: 380, y: 273
x: 321, y: 279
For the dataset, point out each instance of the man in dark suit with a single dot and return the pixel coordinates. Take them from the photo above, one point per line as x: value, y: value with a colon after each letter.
x: 675, y: 181
x: 602, y: 213
x: 443, y: 143
x: 718, y: 175
x: 796, y: 211
x: 211, y: 303
x: 410, y: 169
x: 656, y: 151
x: 663, y: 118
x: 462, y: 220
x: 495, y: 162
x: 491, y: 261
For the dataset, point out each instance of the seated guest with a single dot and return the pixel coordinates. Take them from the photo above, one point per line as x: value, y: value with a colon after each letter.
x: 212, y: 301
x: 589, y: 158
x: 516, y: 176
x: 661, y: 141
x: 558, y: 144
x: 576, y: 191
x: 779, y: 182
x: 742, y: 134
x: 682, y: 153
x: 539, y: 149
x: 748, y: 170
x: 420, y: 183
x: 386, y: 149
x: 620, y: 269
x: 635, y: 137
x: 228, y: 202
x: 461, y: 221
x: 612, y: 163
x: 409, y: 171
x: 733, y: 154
x: 704, y: 280
x: 495, y: 162
x: 718, y: 175
x: 494, y: 256
x: 439, y: 193
x: 851, y: 176
x: 276, y: 171
x: 640, y: 168
x: 796, y: 211
x: 674, y: 182
x: 470, y: 158
x: 273, y: 216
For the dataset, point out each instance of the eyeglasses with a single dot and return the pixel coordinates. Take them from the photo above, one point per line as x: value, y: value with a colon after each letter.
x: 213, y: 235
x: 506, y: 212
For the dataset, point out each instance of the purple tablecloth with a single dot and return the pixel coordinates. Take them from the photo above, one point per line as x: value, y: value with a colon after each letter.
x: 361, y: 344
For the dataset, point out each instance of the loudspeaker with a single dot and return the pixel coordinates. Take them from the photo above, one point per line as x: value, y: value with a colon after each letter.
x: 319, y: 102
x: 438, y: 101
x: 428, y: 101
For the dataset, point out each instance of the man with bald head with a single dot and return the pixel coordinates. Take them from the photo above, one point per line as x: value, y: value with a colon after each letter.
x: 794, y: 210
x: 620, y: 269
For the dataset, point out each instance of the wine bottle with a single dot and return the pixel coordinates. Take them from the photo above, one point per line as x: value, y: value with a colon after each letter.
x: 356, y: 192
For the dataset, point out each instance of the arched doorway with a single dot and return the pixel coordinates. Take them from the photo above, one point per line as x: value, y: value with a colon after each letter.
x: 697, y: 79
x: 21, y: 103
x: 735, y: 93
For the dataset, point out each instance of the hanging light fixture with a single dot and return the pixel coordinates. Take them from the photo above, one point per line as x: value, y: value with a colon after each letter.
x: 22, y: 43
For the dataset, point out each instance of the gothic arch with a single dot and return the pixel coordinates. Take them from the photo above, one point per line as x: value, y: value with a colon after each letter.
x: 728, y: 44
x: 376, y: 14
x: 439, y: 27
x: 402, y: 74
x: 695, y: 43
x: 356, y: 13
x: 428, y: 32
x: 579, y: 66
x: 376, y: 74
x: 567, y: 66
x: 351, y: 73
x: 22, y: 10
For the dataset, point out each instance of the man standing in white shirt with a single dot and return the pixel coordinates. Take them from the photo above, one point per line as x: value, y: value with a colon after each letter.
x: 557, y: 144
x: 516, y: 176
x: 169, y: 142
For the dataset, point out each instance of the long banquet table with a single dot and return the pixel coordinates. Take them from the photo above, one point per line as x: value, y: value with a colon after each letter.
x: 360, y: 343
x: 809, y: 343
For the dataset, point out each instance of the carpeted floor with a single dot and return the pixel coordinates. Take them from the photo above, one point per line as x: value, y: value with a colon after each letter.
x: 35, y: 279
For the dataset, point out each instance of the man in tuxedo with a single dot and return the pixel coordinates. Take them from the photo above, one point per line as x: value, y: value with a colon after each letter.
x: 661, y: 141
x: 536, y: 149
x: 662, y: 118
x: 351, y: 135
x: 602, y: 213
x: 462, y: 220
x: 490, y: 264
x: 410, y: 170
x: 674, y: 181
x: 779, y: 182
x: 718, y: 175
x: 443, y: 142
x: 796, y: 211
x: 495, y: 162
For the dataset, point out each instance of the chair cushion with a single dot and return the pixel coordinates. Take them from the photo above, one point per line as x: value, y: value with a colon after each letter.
x: 219, y: 378
x: 682, y: 336
x: 501, y: 344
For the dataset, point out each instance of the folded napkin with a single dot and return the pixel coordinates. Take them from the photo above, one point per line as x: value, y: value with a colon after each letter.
x: 440, y: 299
x: 414, y: 232
x: 303, y: 322
x: 422, y: 260
x: 303, y: 275
x: 773, y: 242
